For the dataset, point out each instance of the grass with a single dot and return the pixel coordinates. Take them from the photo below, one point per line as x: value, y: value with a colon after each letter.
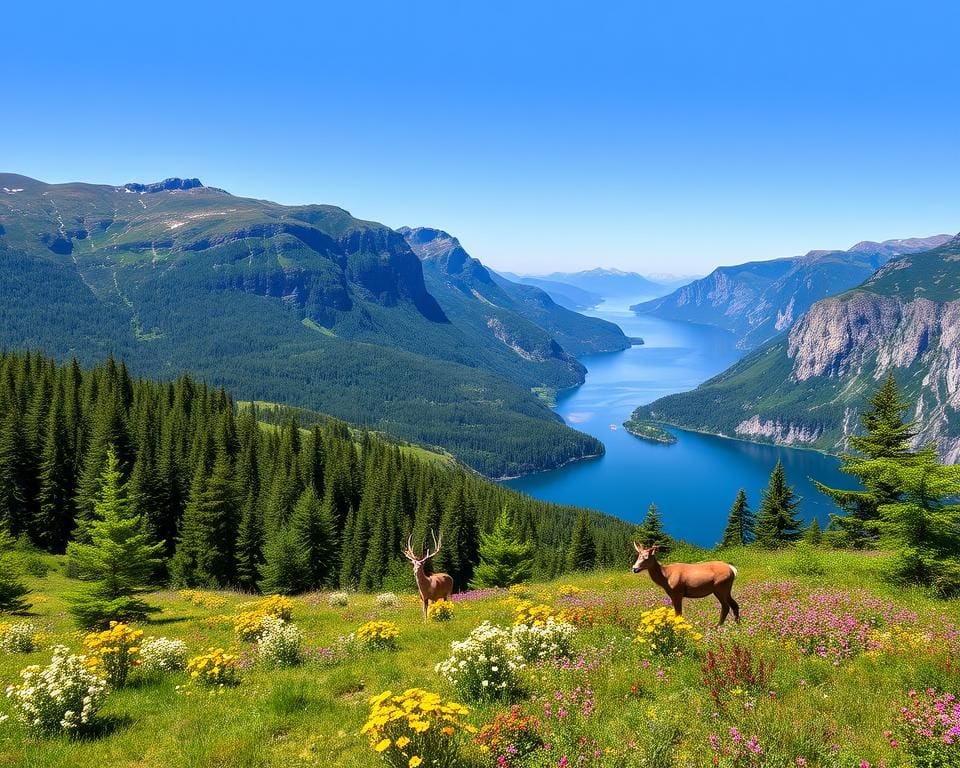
x: 648, y: 712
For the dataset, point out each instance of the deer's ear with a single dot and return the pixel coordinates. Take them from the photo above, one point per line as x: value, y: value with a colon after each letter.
x: 654, y: 549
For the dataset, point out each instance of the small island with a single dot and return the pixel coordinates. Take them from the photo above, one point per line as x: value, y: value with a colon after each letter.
x: 647, y: 430
x: 635, y: 341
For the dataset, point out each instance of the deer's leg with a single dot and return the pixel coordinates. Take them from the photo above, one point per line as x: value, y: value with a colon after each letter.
x: 426, y: 604
x: 724, y: 609
x: 677, y: 604
x: 736, y: 609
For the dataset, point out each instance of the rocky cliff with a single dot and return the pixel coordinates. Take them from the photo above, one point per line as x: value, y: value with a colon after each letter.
x: 809, y: 387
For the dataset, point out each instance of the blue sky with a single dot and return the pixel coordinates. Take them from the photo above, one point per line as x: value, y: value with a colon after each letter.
x: 660, y: 137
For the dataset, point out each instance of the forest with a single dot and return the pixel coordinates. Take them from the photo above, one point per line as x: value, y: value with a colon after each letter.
x: 242, y: 500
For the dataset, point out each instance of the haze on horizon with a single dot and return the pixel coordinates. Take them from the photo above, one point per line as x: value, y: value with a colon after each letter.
x: 545, y: 136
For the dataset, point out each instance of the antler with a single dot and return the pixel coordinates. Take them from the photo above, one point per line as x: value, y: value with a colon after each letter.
x: 408, y: 552
x: 436, y: 545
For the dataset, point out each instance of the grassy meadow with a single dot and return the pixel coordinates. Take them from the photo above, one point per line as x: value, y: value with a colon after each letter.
x: 832, y: 657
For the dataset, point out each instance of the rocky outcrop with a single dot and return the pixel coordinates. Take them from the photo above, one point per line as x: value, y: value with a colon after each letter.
x: 777, y: 431
x: 167, y: 185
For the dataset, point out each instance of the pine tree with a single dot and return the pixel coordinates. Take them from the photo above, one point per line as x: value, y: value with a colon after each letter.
x: 285, y: 569
x: 56, y: 496
x: 14, y: 483
x: 886, y: 436
x: 205, y: 554
x: 250, y: 541
x: 923, y: 525
x: 312, y: 530
x: 813, y: 534
x: 12, y: 590
x: 740, y: 523
x: 461, y: 537
x: 651, y: 532
x: 777, y: 522
x: 504, y: 558
x: 582, y: 552
x: 119, y: 559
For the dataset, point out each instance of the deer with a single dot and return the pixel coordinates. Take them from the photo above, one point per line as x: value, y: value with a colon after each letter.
x: 680, y: 580
x: 437, y: 586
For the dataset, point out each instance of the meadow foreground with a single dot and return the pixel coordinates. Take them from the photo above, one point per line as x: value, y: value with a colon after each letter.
x: 832, y: 669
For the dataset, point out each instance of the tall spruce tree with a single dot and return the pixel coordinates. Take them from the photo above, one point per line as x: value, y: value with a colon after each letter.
x: 206, y: 550
x: 461, y: 537
x: 250, y: 541
x: 582, y: 552
x: 651, y: 532
x: 57, y: 480
x: 777, y: 523
x: 119, y: 559
x: 886, y: 437
x: 504, y: 558
x: 285, y: 569
x: 922, y: 526
x: 313, y: 532
x: 740, y: 523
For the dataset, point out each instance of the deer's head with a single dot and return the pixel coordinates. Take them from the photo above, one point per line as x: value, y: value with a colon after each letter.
x: 645, y: 556
x: 418, y: 560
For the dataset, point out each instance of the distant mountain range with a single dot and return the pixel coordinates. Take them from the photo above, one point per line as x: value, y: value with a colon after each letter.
x: 807, y: 387
x: 761, y: 299
x: 587, y: 289
x: 304, y: 305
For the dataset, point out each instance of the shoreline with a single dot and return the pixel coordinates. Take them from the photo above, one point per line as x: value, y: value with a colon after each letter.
x: 563, y: 464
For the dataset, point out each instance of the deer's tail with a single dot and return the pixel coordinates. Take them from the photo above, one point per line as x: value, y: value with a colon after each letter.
x: 734, y: 569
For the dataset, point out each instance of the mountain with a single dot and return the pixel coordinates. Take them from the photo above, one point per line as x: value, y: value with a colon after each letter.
x: 565, y: 295
x: 522, y: 317
x: 760, y: 299
x: 608, y: 283
x: 302, y: 305
x: 807, y: 387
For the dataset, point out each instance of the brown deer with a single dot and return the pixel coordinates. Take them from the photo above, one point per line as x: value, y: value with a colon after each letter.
x: 680, y: 580
x: 437, y: 586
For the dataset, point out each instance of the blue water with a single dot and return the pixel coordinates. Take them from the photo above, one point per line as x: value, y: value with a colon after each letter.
x: 694, y: 481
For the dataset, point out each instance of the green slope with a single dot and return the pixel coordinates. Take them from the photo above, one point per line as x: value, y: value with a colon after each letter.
x: 303, y: 305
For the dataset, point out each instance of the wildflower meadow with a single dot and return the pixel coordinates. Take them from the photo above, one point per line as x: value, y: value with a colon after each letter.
x: 832, y: 669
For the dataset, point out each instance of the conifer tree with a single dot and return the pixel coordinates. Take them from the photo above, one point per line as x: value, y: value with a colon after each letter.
x: 651, y: 532
x: 886, y: 436
x: 56, y: 495
x: 285, y: 570
x: 13, y: 591
x: 461, y: 537
x: 923, y: 525
x: 14, y: 483
x: 250, y: 541
x: 777, y: 523
x: 119, y: 559
x: 504, y: 558
x: 312, y: 530
x: 582, y: 552
x: 740, y: 523
x: 205, y: 554
x: 813, y: 534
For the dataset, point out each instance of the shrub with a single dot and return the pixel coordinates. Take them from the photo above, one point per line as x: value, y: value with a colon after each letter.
x: 525, y: 612
x: 387, y: 600
x: 248, y: 624
x: 276, y: 605
x: 928, y: 729
x: 338, y: 600
x: 510, y: 737
x: 161, y: 654
x: 541, y: 642
x: 113, y: 652
x: 806, y: 560
x: 568, y: 590
x: 663, y: 633
x: 727, y: 671
x: 441, y: 610
x: 34, y: 565
x: 378, y: 635
x: 18, y: 638
x: 278, y: 644
x: 216, y: 667
x: 62, y: 696
x: 485, y: 666
x: 416, y: 728
x: 202, y: 599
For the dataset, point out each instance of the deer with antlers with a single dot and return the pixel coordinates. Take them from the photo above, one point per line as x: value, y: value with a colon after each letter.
x: 680, y: 580
x: 437, y: 586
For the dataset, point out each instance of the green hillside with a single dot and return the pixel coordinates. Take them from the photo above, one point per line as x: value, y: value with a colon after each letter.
x: 805, y: 388
x: 303, y: 305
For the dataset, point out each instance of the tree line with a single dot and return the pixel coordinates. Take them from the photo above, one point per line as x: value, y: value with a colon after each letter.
x: 229, y: 500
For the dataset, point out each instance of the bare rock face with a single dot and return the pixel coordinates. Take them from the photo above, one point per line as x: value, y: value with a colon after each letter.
x: 777, y: 431
x: 864, y: 333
